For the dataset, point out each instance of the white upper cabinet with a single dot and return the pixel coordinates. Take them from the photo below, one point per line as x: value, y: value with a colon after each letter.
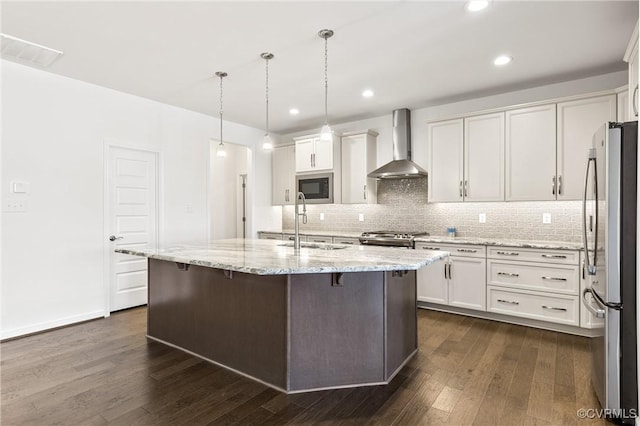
x: 445, y: 145
x: 530, y: 153
x: 283, y: 175
x: 313, y: 154
x: 358, y: 159
x: 484, y: 158
x: 631, y: 57
x: 577, y: 122
x: 623, y: 104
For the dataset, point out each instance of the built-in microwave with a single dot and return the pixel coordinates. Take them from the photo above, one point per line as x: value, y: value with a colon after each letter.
x: 317, y: 188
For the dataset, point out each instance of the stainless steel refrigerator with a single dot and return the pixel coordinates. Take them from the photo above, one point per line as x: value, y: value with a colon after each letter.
x: 609, y: 233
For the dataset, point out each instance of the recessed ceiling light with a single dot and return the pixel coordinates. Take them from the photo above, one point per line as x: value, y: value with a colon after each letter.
x: 502, y: 60
x: 477, y: 5
x: 294, y: 111
x: 367, y: 93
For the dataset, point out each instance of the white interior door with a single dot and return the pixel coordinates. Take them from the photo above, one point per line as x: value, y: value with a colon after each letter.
x: 132, y: 222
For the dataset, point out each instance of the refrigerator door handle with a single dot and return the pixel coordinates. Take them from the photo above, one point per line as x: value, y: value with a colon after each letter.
x: 591, y: 269
x: 599, y: 313
x: 602, y: 303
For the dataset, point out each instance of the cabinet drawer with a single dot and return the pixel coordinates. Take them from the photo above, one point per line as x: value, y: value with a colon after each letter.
x: 319, y: 239
x: 569, y: 257
x: 291, y: 237
x: 346, y: 240
x: 454, y: 249
x: 534, y: 276
x: 558, y: 308
x: 270, y: 236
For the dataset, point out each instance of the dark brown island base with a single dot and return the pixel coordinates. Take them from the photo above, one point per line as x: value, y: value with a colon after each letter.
x: 296, y: 332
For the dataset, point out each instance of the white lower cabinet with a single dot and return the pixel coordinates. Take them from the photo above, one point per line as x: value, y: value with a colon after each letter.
x: 456, y: 281
x: 545, y: 291
x: 535, y: 305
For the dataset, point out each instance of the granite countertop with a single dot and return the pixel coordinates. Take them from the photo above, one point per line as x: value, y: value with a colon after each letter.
x: 550, y: 245
x: 270, y: 257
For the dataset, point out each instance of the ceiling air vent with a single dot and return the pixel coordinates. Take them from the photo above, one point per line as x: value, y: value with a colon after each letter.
x: 30, y: 53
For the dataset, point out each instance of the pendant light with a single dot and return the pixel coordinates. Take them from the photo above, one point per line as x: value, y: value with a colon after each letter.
x: 267, y: 142
x: 221, y: 151
x: 326, y: 133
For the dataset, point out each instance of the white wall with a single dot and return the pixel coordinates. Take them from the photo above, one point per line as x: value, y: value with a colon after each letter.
x: 53, y: 130
x: 420, y: 117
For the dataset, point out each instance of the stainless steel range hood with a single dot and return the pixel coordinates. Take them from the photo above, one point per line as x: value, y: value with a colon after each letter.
x: 401, y: 166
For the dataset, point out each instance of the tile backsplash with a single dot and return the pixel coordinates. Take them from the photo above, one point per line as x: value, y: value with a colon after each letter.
x: 402, y: 206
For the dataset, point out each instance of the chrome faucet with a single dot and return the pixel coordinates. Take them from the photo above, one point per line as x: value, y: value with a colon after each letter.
x: 296, y: 238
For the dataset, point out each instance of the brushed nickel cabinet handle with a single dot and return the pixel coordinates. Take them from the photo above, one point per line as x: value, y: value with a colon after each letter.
x: 508, y: 253
x: 430, y: 248
x: 634, y: 101
x: 559, y: 185
x: 445, y: 271
x: 511, y: 302
x: 466, y: 188
x: 508, y: 274
x: 460, y: 189
x: 449, y: 270
x: 552, y: 308
x: 554, y: 256
x: 553, y: 279
x: 364, y: 191
x: 553, y: 185
x: 467, y: 250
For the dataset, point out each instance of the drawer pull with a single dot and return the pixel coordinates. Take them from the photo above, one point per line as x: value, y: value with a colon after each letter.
x: 553, y: 279
x: 345, y: 242
x: 508, y: 253
x: 319, y: 241
x: 430, y: 248
x: 511, y: 302
x: 553, y: 308
x: 467, y: 250
x: 554, y: 256
x: 508, y: 274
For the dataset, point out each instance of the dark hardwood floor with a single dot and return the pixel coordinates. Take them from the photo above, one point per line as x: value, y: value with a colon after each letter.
x: 468, y: 371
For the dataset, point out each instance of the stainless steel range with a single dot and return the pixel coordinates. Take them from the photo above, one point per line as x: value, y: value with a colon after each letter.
x: 390, y: 238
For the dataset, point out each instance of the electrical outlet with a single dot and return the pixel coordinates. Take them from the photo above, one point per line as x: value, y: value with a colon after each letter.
x: 321, y: 216
x: 361, y: 217
x: 189, y: 209
x: 482, y: 218
x: 15, y: 206
x: 546, y: 218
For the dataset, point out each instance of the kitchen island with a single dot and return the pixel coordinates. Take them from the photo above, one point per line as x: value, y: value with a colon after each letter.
x: 326, y: 316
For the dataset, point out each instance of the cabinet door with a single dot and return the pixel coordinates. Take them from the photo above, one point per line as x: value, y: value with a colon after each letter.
x: 484, y: 158
x: 467, y: 285
x: 283, y: 175
x: 323, y: 155
x: 633, y: 82
x: 445, y: 160
x: 531, y: 154
x: 304, y: 155
x: 577, y: 122
x: 432, y: 283
x: 354, y: 169
x: 623, y: 106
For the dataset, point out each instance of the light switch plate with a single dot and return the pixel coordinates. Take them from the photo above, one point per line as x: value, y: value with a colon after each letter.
x: 546, y: 218
x: 15, y: 206
x: 19, y: 187
x: 321, y: 216
x: 361, y: 217
x: 482, y: 218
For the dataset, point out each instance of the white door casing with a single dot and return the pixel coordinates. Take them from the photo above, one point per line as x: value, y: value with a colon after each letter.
x: 131, y: 206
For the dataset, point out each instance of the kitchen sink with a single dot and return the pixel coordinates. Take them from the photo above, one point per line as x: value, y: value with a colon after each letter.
x: 315, y: 246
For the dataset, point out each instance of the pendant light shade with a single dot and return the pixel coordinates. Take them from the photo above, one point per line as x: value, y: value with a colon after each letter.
x: 221, y: 151
x: 267, y: 141
x: 326, y: 134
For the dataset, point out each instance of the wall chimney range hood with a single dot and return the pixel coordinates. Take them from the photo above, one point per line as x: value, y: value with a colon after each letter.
x: 401, y: 166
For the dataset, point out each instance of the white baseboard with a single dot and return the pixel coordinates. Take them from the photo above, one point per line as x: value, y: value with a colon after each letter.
x: 42, y: 326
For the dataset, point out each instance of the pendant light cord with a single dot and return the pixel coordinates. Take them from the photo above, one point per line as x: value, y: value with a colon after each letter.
x: 326, y: 81
x: 221, y: 77
x: 267, y: 93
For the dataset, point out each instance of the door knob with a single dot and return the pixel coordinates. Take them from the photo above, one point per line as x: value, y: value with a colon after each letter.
x: 113, y: 238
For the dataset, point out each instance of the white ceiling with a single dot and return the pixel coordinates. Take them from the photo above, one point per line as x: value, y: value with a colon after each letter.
x: 412, y: 54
